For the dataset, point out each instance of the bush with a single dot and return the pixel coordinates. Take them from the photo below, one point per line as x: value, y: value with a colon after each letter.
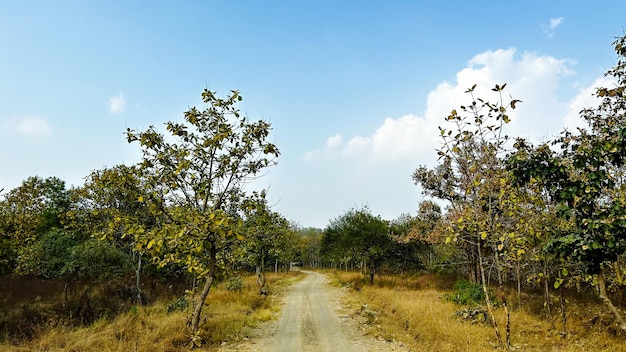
x: 466, y: 293
x: 178, y: 305
x: 234, y: 283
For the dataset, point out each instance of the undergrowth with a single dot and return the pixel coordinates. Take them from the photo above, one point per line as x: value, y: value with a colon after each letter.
x: 227, y: 316
x: 420, y: 316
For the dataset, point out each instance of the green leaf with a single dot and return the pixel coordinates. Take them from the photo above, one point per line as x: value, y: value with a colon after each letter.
x: 558, y: 282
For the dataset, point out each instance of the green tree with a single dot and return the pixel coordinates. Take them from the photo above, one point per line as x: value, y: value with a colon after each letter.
x: 586, y: 178
x: 311, y: 246
x: 108, y: 207
x: 195, y: 179
x: 362, y: 234
x: 264, y: 231
x: 28, y: 212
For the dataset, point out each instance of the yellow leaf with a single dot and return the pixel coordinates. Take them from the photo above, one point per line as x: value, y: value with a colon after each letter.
x: 140, y: 199
x: 150, y: 244
x: 483, y: 235
x: 448, y: 240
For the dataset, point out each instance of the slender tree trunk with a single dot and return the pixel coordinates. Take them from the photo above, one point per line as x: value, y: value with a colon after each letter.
x: 620, y: 283
x: 486, y: 292
x: 607, y: 301
x: 197, y: 312
x: 276, y: 266
x: 563, y: 312
x: 138, y: 283
x: 546, y: 295
x: 260, y: 275
x: 519, y: 283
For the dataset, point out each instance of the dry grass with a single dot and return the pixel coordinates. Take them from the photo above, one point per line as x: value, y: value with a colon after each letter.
x: 227, y: 315
x: 422, y: 320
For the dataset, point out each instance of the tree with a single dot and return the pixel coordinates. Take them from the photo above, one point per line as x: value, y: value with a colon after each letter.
x: 471, y: 176
x: 361, y: 234
x: 108, y: 206
x: 194, y: 179
x: 28, y: 212
x: 264, y: 231
x: 587, y: 179
x: 414, y: 237
x: 311, y: 242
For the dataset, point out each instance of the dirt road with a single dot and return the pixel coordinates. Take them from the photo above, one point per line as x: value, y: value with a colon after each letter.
x: 314, y: 319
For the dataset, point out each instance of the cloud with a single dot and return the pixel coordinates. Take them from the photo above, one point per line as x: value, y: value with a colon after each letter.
x: 549, y: 28
x: 30, y: 126
x: 376, y: 168
x: 533, y: 79
x: 117, y: 104
x: 585, y: 98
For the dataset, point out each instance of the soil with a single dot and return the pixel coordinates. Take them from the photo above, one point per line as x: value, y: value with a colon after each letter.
x: 315, y: 317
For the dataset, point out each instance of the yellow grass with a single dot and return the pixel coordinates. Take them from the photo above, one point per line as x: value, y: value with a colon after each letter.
x: 227, y: 316
x: 422, y: 320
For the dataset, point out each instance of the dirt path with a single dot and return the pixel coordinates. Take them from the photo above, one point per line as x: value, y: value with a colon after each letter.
x: 314, y: 319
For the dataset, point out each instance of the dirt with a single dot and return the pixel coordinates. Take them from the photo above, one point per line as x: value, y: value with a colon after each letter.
x: 315, y: 317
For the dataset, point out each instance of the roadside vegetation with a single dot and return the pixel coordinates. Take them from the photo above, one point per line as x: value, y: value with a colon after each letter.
x: 517, y: 246
x: 231, y: 312
x: 420, y: 311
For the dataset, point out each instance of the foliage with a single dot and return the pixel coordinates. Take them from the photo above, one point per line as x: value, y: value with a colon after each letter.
x: 234, y: 283
x: 360, y: 235
x: 193, y: 182
x: 179, y: 305
x: 27, y: 213
x: 586, y: 179
x: 466, y: 293
x: 96, y: 261
x: 472, y: 177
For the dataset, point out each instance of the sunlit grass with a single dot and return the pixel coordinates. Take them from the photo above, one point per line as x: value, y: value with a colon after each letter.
x: 227, y: 315
x: 424, y: 321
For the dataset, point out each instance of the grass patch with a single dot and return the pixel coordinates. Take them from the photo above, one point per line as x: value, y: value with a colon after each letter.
x: 425, y: 321
x: 227, y: 316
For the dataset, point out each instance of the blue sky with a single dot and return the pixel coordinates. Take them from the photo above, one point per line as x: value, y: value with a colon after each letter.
x: 354, y: 90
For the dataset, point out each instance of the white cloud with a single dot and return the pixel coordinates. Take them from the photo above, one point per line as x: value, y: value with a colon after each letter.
x: 375, y: 169
x: 585, y: 98
x: 549, y: 28
x: 531, y: 78
x: 117, y: 104
x: 30, y: 126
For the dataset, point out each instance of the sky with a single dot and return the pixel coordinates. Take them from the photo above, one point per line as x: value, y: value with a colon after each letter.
x: 354, y: 90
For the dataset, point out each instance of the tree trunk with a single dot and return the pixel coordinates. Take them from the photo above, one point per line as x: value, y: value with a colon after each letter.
x: 563, y: 312
x: 486, y: 292
x: 519, y: 283
x: 138, y: 275
x: 260, y: 275
x: 197, y: 312
x: 607, y: 301
x: 546, y: 293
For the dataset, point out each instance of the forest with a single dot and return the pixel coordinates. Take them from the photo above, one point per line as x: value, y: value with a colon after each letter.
x: 501, y: 214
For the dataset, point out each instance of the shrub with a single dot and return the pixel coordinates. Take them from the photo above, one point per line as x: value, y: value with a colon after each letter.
x: 179, y: 305
x: 466, y: 293
x: 234, y: 283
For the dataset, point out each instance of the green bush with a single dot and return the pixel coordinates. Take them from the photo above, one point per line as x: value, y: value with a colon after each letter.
x: 466, y: 293
x: 179, y: 305
x: 234, y: 283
